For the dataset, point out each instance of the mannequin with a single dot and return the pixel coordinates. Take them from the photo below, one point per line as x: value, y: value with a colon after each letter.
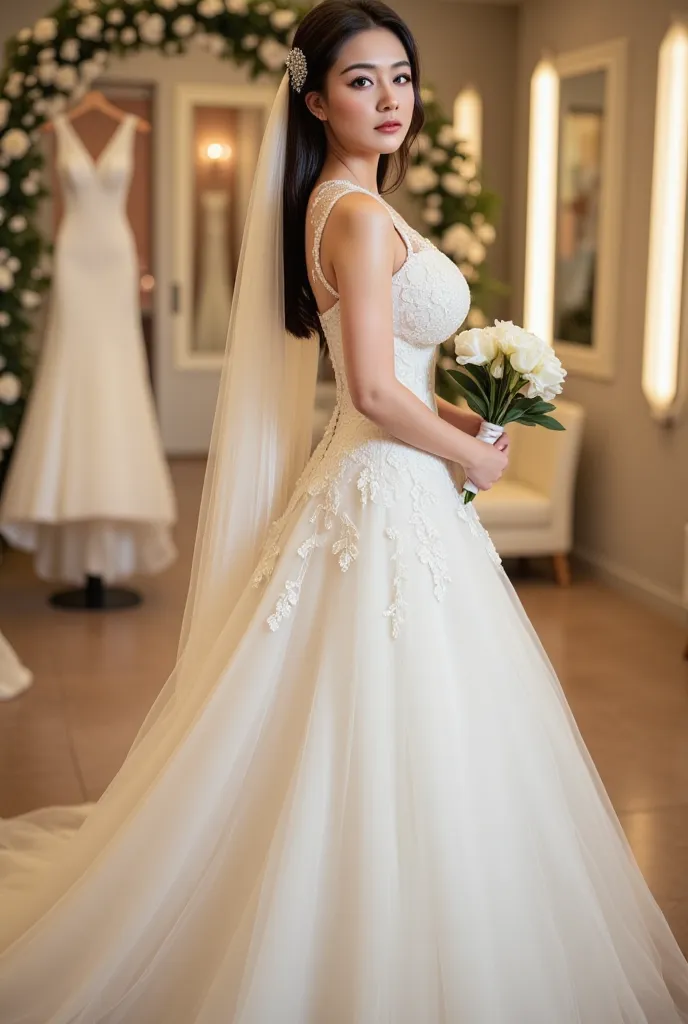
x: 88, y: 491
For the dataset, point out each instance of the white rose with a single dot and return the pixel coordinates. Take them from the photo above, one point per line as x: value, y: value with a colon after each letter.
x: 476, y: 252
x: 40, y: 107
x: 14, y: 263
x: 6, y: 279
x: 184, y: 26
x: 4, y: 183
x: 468, y: 168
x: 6, y: 438
x: 30, y: 187
x: 152, y: 31
x: 426, y: 95
x: 90, y: 27
x: 210, y: 8
x: 476, y: 318
x: 509, y: 336
x: 14, y: 86
x: 116, y: 16
x: 432, y: 215
x: 250, y: 41
x: 457, y: 240
x: 5, y: 107
x: 28, y: 120
x: 272, y: 53
x: 128, y: 35
x: 474, y: 187
x: 15, y: 143
x: 446, y: 136
x: 528, y: 355
x: 282, y: 20
x: 436, y: 155
x: 10, y: 388
x: 433, y: 199
x: 44, y: 30
x: 66, y: 77
x: 546, y: 377
x: 55, y: 105
x: 468, y: 271
x: 17, y: 224
x: 475, y: 347
x: 89, y: 71
x: 264, y: 8
x: 236, y: 6
x: 47, y: 55
x: 167, y: 5
x: 30, y: 299
x: 215, y: 45
x: 24, y: 35
x: 421, y: 178
x: 486, y: 233
x: 5, y: 319
x: 454, y: 184
x: 47, y: 73
x: 83, y: 6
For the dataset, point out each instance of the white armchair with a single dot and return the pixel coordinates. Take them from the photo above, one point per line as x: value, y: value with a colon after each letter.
x: 530, y: 510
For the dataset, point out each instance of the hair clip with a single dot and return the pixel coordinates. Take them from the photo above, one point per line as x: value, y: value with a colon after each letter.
x: 296, y: 65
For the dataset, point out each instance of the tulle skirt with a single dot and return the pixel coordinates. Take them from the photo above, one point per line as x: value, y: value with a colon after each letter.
x: 338, y: 826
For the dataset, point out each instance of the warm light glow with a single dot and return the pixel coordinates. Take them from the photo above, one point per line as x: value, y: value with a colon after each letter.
x: 468, y: 121
x: 667, y: 225
x: 218, y: 151
x: 538, y: 298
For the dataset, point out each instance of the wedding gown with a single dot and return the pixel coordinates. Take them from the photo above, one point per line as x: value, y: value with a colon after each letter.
x: 373, y: 806
x: 88, y: 490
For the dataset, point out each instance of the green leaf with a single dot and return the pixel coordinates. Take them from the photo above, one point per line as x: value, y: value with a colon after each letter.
x: 469, y: 389
x: 542, y: 421
x: 513, y: 415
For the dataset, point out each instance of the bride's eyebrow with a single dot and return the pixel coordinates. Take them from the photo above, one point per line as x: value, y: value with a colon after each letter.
x: 372, y: 67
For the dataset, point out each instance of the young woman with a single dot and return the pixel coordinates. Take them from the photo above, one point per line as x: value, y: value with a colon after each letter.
x: 361, y: 798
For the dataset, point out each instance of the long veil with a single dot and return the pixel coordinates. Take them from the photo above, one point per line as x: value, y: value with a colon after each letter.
x: 57, y: 863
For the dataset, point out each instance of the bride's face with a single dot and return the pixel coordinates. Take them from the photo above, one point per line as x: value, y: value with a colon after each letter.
x: 368, y: 85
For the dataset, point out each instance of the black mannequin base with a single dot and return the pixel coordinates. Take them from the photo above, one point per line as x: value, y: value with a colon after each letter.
x: 95, y: 596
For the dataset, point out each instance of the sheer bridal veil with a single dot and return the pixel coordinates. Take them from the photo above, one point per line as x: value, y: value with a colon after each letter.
x: 260, y: 443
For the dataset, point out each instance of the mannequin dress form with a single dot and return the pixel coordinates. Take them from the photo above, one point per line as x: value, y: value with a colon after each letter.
x: 215, y: 291
x: 88, y: 490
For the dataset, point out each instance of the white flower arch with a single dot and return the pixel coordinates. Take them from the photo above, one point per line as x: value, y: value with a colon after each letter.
x: 49, y: 66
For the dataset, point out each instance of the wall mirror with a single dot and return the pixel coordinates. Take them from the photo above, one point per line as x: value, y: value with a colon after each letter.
x: 589, y: 156
x: 218, y: 134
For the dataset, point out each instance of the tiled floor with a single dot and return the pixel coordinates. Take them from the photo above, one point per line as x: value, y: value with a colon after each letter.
x: 96, y: 675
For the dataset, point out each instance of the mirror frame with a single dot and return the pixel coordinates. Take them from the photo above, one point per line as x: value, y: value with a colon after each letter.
x: 598, y: 360
x: 189, y: 95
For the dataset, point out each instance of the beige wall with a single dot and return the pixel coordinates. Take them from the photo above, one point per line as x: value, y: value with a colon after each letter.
x: 633, y: 493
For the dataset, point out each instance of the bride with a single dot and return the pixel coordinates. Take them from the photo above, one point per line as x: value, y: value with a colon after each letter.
x: 361, y: 797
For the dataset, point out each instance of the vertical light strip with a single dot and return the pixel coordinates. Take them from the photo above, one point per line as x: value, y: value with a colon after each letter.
x: 667, y: 225
x: 538, y: 298
x: 468, y: 121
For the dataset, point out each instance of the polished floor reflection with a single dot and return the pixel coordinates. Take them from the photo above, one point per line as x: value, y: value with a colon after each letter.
x: 97, y: 674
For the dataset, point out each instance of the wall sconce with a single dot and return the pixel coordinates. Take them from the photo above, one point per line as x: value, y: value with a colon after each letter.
x: 468, y: 121
x: 217, y: 152
x: 541, y: 219
x: 660, y: 378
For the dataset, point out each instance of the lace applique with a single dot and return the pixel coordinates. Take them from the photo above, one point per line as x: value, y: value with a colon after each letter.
x: 469, y: 514
x: 397, y: 610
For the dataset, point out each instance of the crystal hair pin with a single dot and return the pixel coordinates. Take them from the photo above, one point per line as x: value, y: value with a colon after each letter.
x: 296, y: 65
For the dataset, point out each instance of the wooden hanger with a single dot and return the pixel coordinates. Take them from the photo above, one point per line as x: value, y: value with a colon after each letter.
x: 95, y: 100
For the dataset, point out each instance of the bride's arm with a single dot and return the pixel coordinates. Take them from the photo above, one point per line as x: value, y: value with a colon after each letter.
x: 360, y: 240
x: 463, y: 419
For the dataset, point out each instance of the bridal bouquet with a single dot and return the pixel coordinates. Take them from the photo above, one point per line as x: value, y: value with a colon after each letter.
x: 507, y: 375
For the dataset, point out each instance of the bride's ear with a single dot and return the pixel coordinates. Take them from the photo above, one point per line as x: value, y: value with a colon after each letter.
x: 313, y: 101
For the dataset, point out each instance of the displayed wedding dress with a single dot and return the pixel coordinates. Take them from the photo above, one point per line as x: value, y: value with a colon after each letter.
x: 89, y: 490
x: 215, y: 286
x: 372, y: 805
x: 15, y: 677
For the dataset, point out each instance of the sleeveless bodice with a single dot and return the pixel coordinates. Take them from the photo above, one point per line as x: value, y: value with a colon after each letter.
x: 430, y: 299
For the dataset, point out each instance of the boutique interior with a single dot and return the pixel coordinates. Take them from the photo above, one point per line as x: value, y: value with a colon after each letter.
x: 566, y: 213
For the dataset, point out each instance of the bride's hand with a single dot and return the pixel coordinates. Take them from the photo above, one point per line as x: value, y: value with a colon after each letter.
x: 486, y: 463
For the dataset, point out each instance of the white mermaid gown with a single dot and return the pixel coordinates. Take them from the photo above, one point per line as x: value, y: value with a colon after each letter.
x: 373, y: 806
x: 89, y: 490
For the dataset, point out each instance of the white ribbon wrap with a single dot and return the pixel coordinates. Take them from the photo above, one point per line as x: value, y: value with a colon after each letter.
x: 488, y: 432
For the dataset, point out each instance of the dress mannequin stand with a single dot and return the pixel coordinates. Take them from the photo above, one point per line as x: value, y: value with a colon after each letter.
x: 95, y: 596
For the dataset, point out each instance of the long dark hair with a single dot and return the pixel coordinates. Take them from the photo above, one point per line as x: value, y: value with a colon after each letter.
x: 321, y: 35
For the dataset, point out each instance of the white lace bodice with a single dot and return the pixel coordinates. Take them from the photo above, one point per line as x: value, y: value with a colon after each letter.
x: 356, y: 459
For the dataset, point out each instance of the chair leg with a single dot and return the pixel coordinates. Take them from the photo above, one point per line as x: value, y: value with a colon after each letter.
x: 562, y: 570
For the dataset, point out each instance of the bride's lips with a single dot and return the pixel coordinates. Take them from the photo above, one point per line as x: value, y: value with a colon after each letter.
x: 389, y: 127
